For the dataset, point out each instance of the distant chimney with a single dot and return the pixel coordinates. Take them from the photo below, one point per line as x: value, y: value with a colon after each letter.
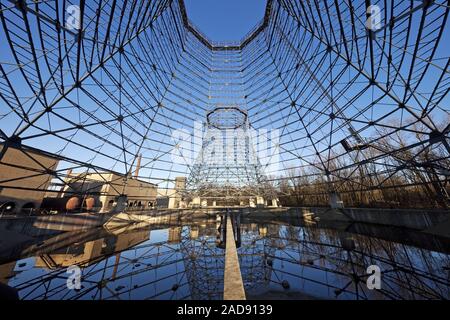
x: 67, y: 180
x: 138, y: 166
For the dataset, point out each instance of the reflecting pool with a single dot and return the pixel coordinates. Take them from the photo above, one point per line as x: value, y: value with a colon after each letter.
x: 183, y: 257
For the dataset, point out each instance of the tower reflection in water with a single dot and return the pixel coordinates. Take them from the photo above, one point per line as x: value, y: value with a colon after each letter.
x: 183, y: 258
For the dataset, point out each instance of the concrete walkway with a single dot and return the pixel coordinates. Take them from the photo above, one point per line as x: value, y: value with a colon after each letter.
x: 233, y: 285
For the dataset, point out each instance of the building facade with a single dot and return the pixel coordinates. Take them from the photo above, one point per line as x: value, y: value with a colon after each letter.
x: 24, y: 179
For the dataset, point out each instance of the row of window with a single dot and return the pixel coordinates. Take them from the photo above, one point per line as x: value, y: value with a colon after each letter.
x: 133, y: 204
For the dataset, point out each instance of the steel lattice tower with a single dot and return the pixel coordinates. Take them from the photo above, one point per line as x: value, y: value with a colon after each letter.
x: 362, y: 111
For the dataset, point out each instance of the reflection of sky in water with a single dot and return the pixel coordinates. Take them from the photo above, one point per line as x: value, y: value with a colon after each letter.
x: 277, y: 261
x: 153, y: 266
x: 312, y: 263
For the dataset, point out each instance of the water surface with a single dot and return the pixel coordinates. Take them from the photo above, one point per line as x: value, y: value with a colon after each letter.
x: 183, y: 258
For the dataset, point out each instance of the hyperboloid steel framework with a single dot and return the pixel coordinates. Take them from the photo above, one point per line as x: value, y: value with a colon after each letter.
x: 338, y: 100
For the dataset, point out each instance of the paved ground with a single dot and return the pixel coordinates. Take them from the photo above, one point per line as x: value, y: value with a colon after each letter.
x: 233, y: 285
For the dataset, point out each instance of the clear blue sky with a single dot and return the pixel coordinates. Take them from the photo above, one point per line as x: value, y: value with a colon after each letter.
x: 225, y: 20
